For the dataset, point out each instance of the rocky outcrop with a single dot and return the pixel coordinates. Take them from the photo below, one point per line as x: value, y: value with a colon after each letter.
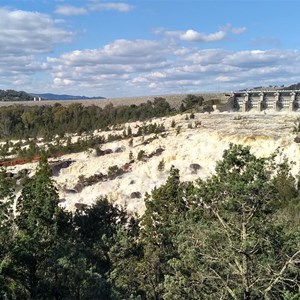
x: 56, y: 166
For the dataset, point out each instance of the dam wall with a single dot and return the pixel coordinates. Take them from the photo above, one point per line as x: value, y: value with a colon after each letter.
x: 281, y: 100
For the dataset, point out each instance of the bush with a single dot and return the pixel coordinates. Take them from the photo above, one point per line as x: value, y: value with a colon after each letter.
x: 161, y: 165
x: 141, y: 155
x: 114, y: 171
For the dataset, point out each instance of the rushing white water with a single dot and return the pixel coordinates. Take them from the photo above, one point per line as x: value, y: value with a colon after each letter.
x: 202, y: 145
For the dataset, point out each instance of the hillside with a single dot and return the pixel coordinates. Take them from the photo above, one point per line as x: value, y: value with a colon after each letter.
x: 12, y: 96
x: 49, y: 96
x: 293, y: 87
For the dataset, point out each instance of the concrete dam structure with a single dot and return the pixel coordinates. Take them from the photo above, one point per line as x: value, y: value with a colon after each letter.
x: 286, y: 100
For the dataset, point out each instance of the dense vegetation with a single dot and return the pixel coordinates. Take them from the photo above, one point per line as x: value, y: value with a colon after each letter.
x: 47, y: 121
x: 295, y: 86
x: 12, y: 95
x: 235, y: 235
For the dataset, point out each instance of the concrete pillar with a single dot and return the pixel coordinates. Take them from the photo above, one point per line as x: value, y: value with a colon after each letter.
x: 292, y: 101
x: 276, y: 101
x: 260, y: 102
x: 245, y: 102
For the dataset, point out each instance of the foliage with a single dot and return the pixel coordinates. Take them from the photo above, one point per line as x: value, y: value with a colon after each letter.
x: 161, y: 165
x: 164, y: 209
x: 233, y: 236
x: 230, y: 246
x: 114, y: 171
x: 47, y: 121
x: 12, y: 95
x: 191, y: 101
x: 141, y: 155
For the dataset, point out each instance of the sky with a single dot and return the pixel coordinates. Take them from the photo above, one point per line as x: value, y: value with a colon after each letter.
x: 147, y: 47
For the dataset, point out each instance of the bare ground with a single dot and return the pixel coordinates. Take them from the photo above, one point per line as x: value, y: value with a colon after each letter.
x: 174, y: 100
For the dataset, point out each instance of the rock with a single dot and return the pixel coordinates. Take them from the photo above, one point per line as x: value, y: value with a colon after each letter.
x: 103, y: 152
x: 71, y: 191
x: 135, y: 195
x: 195, y: 168
x: 297, y: 139
x: 81, y: 206
x: 78, y: 187
x: 150, y: 140
x: 120, y: 150
x: 159, y: 151
x: 108, y: 151
x: 58, y: 165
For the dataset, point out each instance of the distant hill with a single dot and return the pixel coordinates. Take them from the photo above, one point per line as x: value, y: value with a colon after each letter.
x: 12, y: 95
x: 295, y: 86
x: 49, y: 96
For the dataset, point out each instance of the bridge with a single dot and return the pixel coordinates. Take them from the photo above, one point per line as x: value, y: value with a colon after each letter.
x: 287, y: 100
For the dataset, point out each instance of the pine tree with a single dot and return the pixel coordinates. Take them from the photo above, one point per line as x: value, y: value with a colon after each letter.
x: 6, y: 231
x: 37, y: 233
x: 164, y: 208
x: 161, y: 165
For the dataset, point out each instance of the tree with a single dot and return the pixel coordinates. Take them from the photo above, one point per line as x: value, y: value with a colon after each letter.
x: 97, y: 227
x: 125, y: 255
x: 6, y: 231
x: 164, y: 208
x: 161, y: 165
x: 230, y: 245
x: 192, y: 101
x: 37, y: 234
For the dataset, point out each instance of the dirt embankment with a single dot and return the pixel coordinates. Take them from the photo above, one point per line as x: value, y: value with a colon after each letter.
x: 174, y: 100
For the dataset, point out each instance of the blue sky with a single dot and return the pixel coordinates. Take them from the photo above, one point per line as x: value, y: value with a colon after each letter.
x: 147, y: 47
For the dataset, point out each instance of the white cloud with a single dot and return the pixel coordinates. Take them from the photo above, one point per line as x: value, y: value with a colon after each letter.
x: 24, y: 37
x: 68, y: 10
x: 194, y: 36
x: 141, y: 67
x: 23, y: 32
x: 131, y: 67
x: 135, y: 53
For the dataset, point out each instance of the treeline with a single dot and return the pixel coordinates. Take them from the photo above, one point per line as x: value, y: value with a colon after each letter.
x: 295, y: 86
x: 12, y: 95
x: 235, y: 235
x: 48, y: 121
